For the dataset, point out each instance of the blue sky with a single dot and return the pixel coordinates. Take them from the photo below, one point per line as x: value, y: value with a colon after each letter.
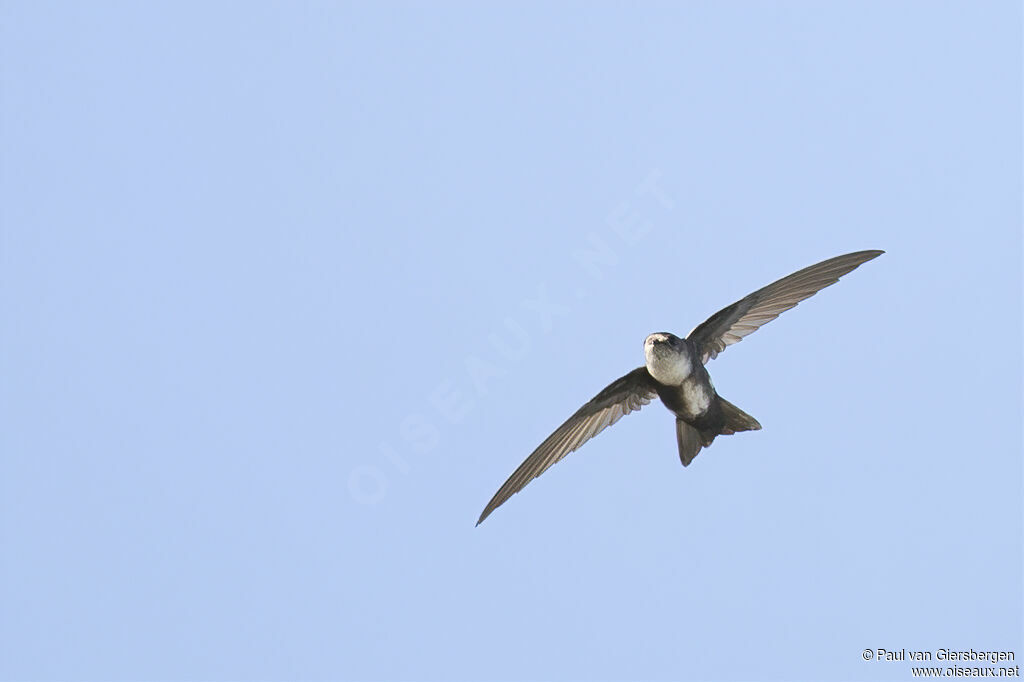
x: 289, y: 289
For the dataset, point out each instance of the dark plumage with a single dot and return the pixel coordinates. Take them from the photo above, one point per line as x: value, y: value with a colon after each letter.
x: 675, y: 372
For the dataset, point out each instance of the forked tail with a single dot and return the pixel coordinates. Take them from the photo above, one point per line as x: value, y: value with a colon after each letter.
x: 691, y: 440
x: 736, y: 419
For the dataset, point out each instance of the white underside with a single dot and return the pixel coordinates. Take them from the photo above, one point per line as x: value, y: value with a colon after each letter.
x: 697, y: 396
x: 666, y: 365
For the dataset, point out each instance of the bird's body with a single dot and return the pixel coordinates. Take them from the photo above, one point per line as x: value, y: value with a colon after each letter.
x: 674, y: 371
x: 682, y: 382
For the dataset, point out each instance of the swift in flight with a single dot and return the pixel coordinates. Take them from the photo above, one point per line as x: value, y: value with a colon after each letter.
x: 674, y: 371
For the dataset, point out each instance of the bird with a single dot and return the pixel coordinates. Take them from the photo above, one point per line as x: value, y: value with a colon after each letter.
x: 674, y: 371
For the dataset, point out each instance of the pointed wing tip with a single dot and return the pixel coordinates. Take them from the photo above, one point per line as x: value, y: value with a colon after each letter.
x: 486, y: 512
x: 862, y: 257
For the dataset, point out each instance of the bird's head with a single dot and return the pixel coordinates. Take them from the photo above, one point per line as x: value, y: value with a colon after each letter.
x: 667, y: 358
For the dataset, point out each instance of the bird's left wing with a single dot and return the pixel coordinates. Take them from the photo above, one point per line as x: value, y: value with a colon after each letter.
x: 624, y: 395
x: 729, y: 325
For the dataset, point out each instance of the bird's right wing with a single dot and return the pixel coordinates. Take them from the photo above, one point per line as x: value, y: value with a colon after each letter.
x: 624, y: 395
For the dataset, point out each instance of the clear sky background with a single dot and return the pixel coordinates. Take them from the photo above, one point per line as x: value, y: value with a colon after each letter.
x: 289, y: 289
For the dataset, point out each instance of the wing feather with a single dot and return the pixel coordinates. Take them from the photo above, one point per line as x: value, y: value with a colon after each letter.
x: 624, y: 395
x: 747, y: 315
